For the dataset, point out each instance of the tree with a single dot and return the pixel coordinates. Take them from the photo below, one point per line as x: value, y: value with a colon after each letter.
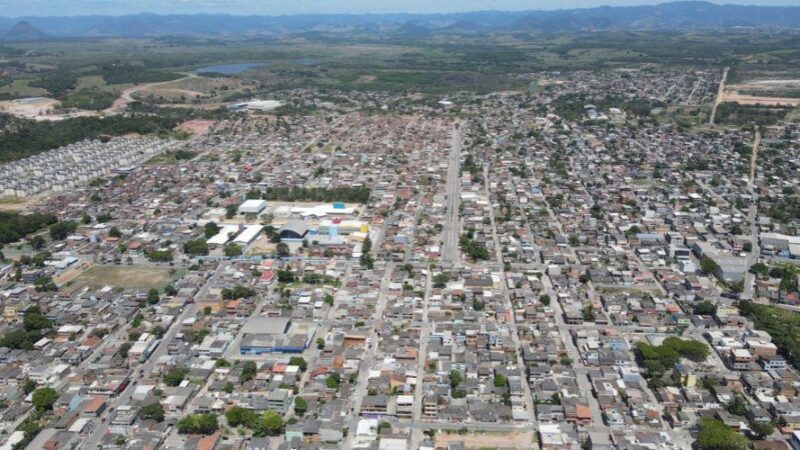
x: 715, y: 435
x: 60, y: 230
x: 29, y: 386
x: 115, y: 233
x: 366, y: 254
x: 44, y: 398
x: 708, y: 265
x: 175, y: 376
x: 153, y: 411
x: 704, y: 308
x: 455, y: 378
x: 298, y: 361
x: 544, y: 299
x: 241, y: 416
x: 37, y: 242
x: 34, y: 320
x: 759, y: 269
x: 170, y: 290
x: 152, y: 296
x: 762, y: 429
x: 282, y: 250
x: 222, y: 362
x: 500, y: 380
x: 198, y: 424
x: 333, y: 380
x: 300, y: 405
x: 196, y: 247
x: 737, y: 406
x: 210, y: 230
x: 249, y: 370
x: 124, y: 348
x: 233, y: 250
x: 440, y: 280
x: 272, y: 423
x: 159, y: 255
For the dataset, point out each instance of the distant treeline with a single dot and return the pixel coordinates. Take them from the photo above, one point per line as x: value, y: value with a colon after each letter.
x: 64, y: 84
x: 21, y: 138
x: 61, y: 81
x: 340, y: 194
x: 14, y: 226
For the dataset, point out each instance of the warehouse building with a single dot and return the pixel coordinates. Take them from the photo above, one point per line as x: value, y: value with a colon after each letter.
x: 252, y: 207
x: 262, y: 335
x: 248, y: 235
x: 225, y: 234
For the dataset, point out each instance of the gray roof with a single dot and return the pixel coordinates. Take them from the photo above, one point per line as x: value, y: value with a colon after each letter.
x: 297, y: 226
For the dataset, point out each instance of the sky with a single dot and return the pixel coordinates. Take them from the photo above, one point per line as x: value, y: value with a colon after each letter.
x: 18, y: 8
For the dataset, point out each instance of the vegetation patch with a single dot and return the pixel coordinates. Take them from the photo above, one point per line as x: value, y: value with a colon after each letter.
x: 126, y: 277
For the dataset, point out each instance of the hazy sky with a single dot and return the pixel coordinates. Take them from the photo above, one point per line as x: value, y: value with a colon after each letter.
x: 16, y: 8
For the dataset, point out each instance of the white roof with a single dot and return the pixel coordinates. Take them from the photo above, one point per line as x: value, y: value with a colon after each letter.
x: 253, y: 205
x: 248, y: 234
x: 367, y: 428
x: 222, y: 238
x: 392, y: 444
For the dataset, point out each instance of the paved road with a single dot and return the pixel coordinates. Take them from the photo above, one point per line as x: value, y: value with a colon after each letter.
x: 514, y: 329
x: 425, y: 330
x: 450, y: 233
x: 370, y: 355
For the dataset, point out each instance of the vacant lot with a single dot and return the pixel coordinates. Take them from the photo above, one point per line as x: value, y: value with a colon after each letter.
x: 764, y: 92
x: 126, y: 277
x: 490, y: 440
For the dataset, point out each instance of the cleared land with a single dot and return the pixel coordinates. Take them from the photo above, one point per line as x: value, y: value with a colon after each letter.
x: 490, y: 440
x: 764, y: 92
x: 128, y: 277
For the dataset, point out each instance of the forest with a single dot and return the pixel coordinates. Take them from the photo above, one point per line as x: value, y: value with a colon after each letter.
x: 21, y: 138
x: 782, y: 325
x: 15, y: 226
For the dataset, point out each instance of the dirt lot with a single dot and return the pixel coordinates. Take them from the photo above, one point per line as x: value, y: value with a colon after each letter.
x: 197, y: 126
x: 17, y: 204
x: 28, y: 107
x: 491, y: 440
x: 126, y: 277
x: 738, y: 92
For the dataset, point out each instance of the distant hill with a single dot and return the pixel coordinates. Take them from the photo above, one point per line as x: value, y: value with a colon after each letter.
x: 677, y: 16
x: 23, y: 31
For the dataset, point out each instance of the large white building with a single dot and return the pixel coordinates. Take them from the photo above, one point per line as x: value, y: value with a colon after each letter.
x: 252, y: 207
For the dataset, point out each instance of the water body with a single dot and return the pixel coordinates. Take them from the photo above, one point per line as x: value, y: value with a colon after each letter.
x: 229, y: 69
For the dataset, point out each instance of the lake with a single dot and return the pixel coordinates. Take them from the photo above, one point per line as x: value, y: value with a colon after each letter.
x: 229, y: 69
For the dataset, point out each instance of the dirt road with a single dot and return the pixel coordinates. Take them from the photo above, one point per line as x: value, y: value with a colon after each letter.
x: 720, y: 95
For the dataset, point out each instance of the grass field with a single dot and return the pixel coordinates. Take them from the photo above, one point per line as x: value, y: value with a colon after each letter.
x: 126, y: 277
x: 20, y: 88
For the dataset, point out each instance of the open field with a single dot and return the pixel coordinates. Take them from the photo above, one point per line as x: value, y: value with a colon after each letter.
x: 20, y: 88
x: 16, y: 204
x: 127, y: 277
x: 771, y: 92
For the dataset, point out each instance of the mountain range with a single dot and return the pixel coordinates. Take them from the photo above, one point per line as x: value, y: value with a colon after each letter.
x: 678, y: 16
